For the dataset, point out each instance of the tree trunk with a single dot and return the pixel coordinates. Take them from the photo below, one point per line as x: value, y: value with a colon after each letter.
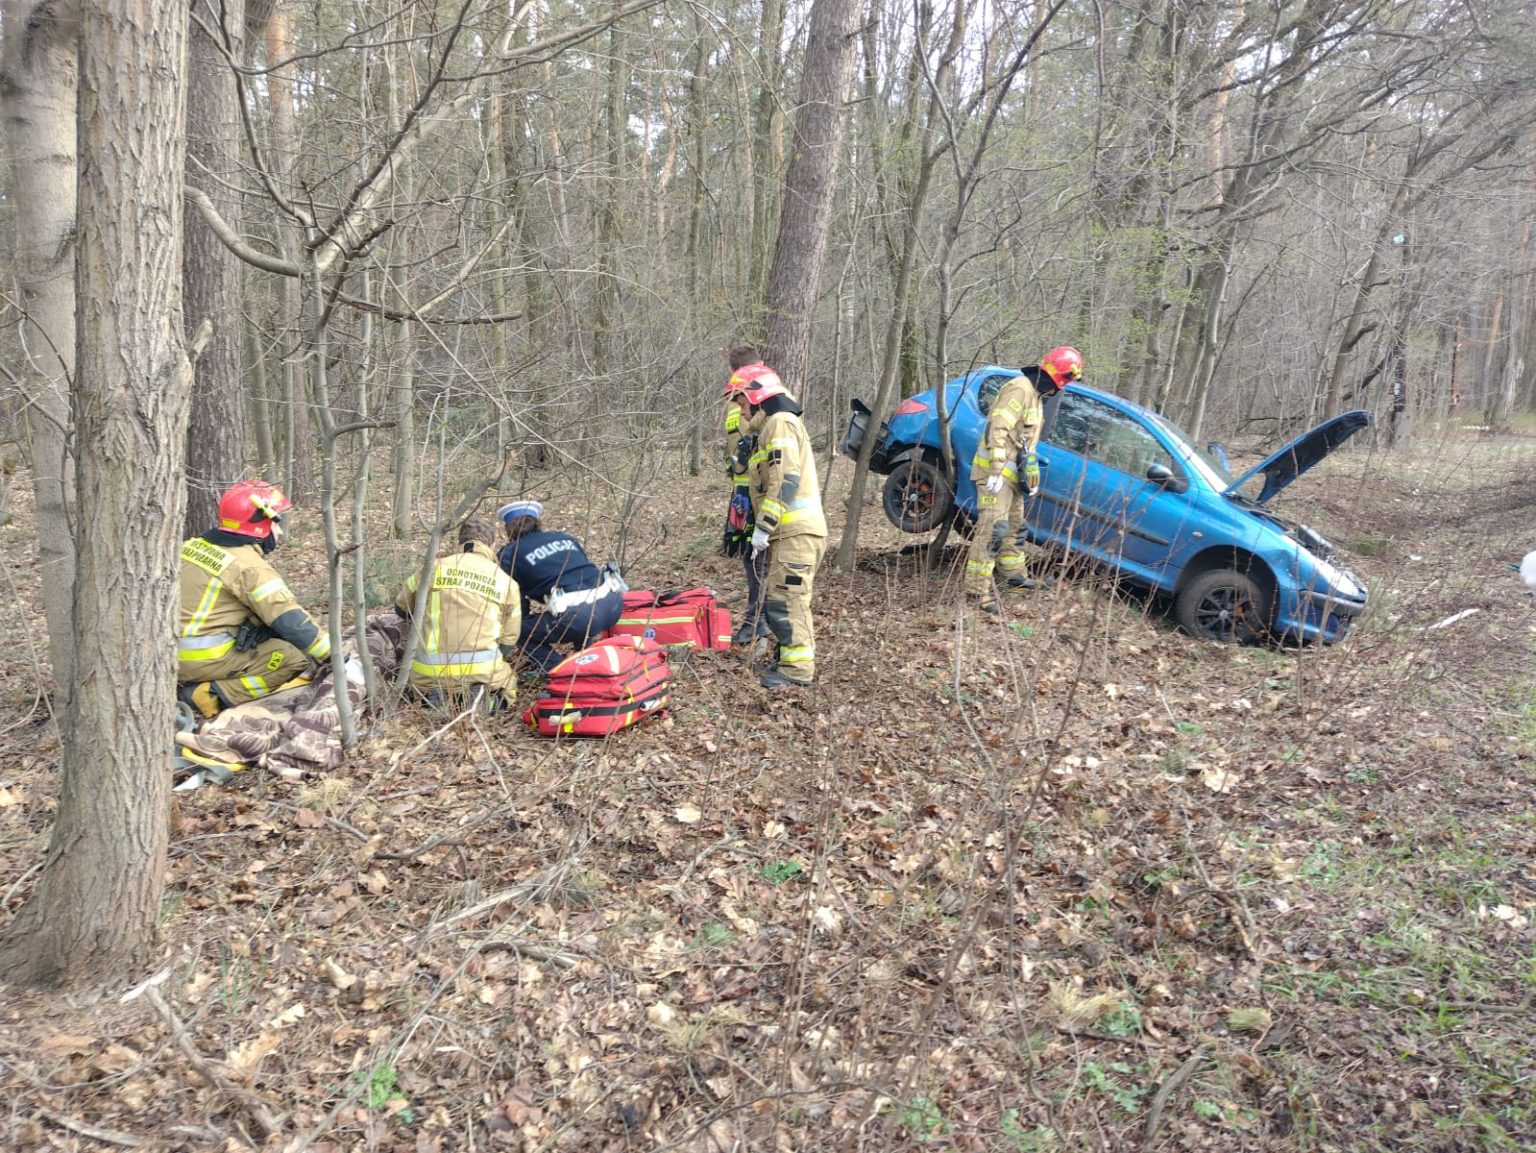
x: 93, y: 914
x: 216, y: 438
x: 806, y: 218
x: 37, y: 101
x: 298, y: 473
x: 767, y: 151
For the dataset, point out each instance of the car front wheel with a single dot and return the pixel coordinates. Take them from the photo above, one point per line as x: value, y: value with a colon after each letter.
x: 918, y: 496
x: 1224, y: 606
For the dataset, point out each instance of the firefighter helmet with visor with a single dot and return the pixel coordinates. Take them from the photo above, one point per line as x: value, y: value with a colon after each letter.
x: 756, y: 382
x: 1063, y: 365
x: 251, y: 508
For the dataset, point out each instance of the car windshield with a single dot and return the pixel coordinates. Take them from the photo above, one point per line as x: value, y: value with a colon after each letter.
x: 1211, y: 470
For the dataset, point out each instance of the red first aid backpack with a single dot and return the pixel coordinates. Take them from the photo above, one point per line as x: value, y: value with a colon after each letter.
x: 605, y: 687
x: 681, y: 617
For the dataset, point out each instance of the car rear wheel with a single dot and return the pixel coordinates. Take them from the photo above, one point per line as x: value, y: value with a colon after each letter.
x: 918, y: 496
x: 1224, y: 606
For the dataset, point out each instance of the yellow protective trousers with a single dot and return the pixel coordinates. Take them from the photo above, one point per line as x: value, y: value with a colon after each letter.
x: 238, y: 677
x: 792, y: 565
x: 994, y: 545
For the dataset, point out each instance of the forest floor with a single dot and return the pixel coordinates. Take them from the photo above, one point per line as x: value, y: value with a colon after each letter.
x: 1072, y: 881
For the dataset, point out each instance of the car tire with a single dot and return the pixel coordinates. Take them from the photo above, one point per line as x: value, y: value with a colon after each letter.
x: 918, y: 496
x: 1225, y: 606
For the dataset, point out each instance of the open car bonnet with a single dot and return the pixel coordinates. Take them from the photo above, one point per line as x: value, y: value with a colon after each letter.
x: 1306, y: 450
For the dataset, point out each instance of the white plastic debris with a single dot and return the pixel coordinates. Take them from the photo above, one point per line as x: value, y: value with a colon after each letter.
x: 1453, y: 618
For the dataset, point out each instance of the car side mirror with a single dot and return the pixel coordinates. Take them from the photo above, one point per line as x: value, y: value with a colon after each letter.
x: 1164, y: 477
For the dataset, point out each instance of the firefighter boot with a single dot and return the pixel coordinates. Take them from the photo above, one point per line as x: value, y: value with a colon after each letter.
x: 201, y: 697
x: 777, y: 680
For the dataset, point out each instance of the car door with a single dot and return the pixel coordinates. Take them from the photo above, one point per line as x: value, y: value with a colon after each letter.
x: 1096, y: 498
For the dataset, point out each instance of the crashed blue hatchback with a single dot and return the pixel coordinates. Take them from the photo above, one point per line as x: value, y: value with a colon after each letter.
x: 1124, y: 488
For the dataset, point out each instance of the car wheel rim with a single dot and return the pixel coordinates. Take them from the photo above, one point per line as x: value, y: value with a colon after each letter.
x: 917, y: 499
x: 1224, y: 612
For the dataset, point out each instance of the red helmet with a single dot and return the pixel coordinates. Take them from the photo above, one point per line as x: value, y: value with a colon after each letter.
x: 757, y: 382
x: 741, y: 376
x: 250, y: 508
x: 1063, y: 365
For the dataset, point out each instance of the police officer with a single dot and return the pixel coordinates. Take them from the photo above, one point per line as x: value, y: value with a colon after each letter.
x: 739, y: 522
x: 471, y: 624
x: 790, y: 527
x: 1007, y: 448
x: 241, y: 633
x: 581, y: 601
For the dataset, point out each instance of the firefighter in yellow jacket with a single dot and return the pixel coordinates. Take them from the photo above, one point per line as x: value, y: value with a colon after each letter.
x: 469, y: 629
x: 737, y: 538
x: 241, y: 634
x: 790, y: 527
x: 1006, y: 451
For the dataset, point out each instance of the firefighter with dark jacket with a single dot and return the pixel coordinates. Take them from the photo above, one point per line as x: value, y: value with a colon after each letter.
x: 469, y: 630
x: 580, y: 600
x: 737, y: 538
x: 241, y: 634
x: 1006, y: 471
x: 790, y: 527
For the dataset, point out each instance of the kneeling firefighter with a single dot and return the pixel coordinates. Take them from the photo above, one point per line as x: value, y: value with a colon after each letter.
x: 1006, y: 471
x: 241, y: 634
x: 790, y: 527
x: 469, y: 630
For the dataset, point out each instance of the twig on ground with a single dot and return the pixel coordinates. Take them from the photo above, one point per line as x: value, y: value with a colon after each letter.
x: 1169, y: 1087
x: 96, y: 1133
x: 253, y: 1104
x: 334, y: 822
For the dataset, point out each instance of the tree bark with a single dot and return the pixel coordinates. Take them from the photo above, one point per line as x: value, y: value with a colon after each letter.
x: 37, y: 102
x: 216, y: 441
x: 93, y: 914
x: 808, y: 184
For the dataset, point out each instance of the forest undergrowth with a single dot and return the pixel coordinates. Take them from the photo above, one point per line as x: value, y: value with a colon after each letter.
x: 1069, y: 881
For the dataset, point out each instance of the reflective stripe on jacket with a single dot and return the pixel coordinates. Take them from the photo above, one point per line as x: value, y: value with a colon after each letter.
x: 223, y: 587
x: 473, y: 608
x: 786, y: 496
x: 1012, y: 426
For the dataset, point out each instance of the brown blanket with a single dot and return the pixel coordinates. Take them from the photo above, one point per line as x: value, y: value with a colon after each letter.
x: 298, y: 730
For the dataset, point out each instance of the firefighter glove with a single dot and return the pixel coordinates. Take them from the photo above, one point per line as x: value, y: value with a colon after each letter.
x: 995, y: 483
x: 1031, y: 473
x: 759, y: 540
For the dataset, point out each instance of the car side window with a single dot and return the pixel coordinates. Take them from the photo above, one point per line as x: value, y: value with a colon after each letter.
x: 1073, y: 426
x: 1113, y: 439
x: 987, y: 392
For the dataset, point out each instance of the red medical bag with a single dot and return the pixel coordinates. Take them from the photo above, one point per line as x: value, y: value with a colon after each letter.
x: 680, y: 617
x: 605, y: 687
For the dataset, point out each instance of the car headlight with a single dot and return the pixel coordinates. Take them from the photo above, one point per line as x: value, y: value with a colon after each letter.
x: 1338, y: 581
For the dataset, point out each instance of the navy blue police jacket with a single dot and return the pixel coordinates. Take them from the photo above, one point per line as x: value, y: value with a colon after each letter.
x: 541, y: 562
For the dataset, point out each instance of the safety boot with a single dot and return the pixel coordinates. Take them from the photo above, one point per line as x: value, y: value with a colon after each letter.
x: 201, y: 697
x: 777, y: 680
x: 990, y: 605
x: 747, y: 632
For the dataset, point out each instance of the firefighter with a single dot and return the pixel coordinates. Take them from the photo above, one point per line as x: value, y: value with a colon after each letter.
x: 1006, y: 471
x: 789, y: 526
x: 737, y: 539
x: 469, y: 630
x: 241, y: 633
x: 580, y: 600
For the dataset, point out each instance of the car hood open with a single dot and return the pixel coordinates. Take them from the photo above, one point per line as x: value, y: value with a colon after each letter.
x: 1306, y: 450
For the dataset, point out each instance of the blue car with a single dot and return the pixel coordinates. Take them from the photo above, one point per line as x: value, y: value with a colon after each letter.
x: 1125, y: 489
